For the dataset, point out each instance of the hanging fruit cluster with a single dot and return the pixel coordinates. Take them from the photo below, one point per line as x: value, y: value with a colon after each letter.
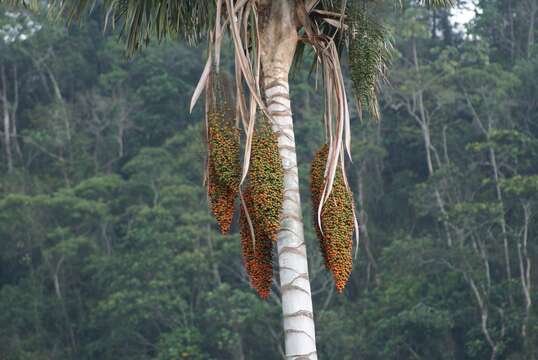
x: 257, y: 253
x: 266, y: 179
x: 335, y: 233
x: 369, y: 57
x: 224, y: 169
x: 263, y: 199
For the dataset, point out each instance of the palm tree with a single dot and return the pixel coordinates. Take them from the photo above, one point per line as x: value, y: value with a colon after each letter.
x: 268, y: 37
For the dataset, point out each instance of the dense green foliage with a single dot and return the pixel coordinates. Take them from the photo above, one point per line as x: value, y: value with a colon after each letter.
x: 108, y: 250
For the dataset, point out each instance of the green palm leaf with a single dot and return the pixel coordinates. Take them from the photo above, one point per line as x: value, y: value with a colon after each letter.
x: 369, y: 58
x: 140, y: 20
x: 437, y: 3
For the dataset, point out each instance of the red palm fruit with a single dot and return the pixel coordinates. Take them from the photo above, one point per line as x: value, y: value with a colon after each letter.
x: 266, y: 180
x: 224, y: 168
x: 257, y: 254
x: 335, y: 232
x: 263, y: 197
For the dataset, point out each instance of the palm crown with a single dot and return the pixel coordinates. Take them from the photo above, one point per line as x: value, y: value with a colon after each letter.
x: 142, y: 20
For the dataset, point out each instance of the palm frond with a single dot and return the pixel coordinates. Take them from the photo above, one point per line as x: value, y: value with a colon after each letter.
x: 369, y: 57
x: 32, y: 5
x: 437, y: 3
x: 433, y: 3
x: 139, y: 20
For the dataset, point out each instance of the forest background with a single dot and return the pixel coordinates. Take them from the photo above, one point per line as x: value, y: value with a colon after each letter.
x: 108, y: 251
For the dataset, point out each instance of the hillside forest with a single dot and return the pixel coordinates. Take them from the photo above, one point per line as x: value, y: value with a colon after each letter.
x: 108, y: 249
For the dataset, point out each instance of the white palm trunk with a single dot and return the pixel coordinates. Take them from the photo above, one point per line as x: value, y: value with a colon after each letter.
x: 300, y: 337
x: 278, y: 37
